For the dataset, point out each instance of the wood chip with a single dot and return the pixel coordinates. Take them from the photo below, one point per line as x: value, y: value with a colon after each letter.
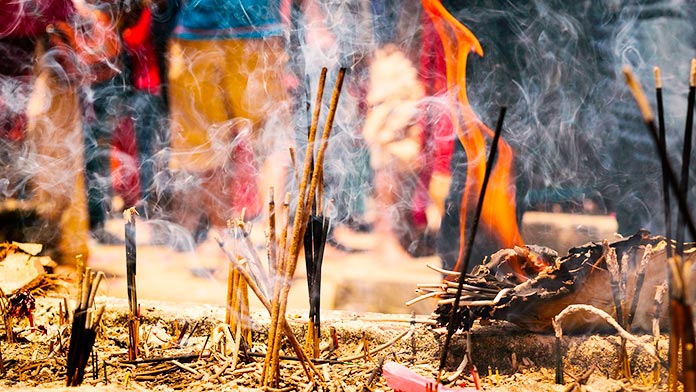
x: 20, y: 271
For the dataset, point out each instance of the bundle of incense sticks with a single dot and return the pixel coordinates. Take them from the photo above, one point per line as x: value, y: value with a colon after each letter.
x: 284, y: 245
x: 307, y: 192
x: 314, y: 242
x: 237, y: 313
x: 255, y: 282
x: 84, y: 325
x: 682, y: 336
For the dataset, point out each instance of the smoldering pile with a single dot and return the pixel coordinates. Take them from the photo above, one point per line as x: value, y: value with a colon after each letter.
x: 530, y: 285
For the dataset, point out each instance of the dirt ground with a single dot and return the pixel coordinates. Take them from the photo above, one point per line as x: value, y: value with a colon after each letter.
x: 508, y: 359
x: 367, y: 281
x: 175, y: 288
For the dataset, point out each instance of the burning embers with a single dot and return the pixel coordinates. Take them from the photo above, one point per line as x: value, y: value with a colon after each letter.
x: 545, y: 283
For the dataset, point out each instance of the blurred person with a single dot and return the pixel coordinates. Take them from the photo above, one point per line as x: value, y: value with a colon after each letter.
x: 146, y: 107
x: 52, y: 160
x: 18, y: 40
x: 96, y: 39
x: 394, y: 135
x: 226, y: 68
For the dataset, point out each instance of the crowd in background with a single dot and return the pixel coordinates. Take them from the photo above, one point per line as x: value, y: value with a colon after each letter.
x: 182, y: 109
x: 202, y: 99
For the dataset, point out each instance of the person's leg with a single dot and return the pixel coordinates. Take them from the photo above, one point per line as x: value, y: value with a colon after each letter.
x: 148, y: 120
x: 260, y: 107
x: 102, y: 103
x: 54, y: 140
x: 200, y: 129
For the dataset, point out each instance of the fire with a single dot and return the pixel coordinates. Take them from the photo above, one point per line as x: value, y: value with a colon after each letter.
x: 498, y: 213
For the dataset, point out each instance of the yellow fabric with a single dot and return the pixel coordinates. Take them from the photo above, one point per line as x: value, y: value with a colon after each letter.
x: 54, y: 135
x: 218, y: 88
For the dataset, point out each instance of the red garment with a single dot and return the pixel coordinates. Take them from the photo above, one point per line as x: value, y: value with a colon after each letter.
x: 29, y: 18
x: 435, y: 119
x: 137, y: 40
x: 125, y: 178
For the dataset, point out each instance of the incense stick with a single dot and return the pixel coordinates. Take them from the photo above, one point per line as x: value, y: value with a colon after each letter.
x: 674, y: 337
x: 133, y: 321
x: 649, y: 120
x: 640, y: 279
x: 663, y: 145
x: 272, y: 248
x: 454, y: 319
x: 686, y: 155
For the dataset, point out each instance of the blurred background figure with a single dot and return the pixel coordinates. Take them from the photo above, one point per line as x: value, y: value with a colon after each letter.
x: 96, y: 39
x: 146, y: 108
x: 397, y: 154
x: 227, y: 104
x: 41, y: 67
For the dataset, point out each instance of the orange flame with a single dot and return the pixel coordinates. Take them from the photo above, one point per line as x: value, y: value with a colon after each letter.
x: 498, y: 213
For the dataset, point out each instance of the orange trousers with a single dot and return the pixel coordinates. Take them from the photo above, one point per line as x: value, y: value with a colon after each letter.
x: 222, y: 93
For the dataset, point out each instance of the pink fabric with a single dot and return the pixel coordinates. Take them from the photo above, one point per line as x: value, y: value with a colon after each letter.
x: 138, y: 42
x: 29, y: 18
x: 401, y: 378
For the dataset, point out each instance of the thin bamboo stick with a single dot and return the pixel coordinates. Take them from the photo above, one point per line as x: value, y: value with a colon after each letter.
x: 686, y: 155
x: 455, y: 316
x: 272, y: 245
x: 266, y: 303
x: 663, y: 145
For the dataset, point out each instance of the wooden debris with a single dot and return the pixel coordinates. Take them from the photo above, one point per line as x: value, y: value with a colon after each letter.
x: 529, y: 286
x: 20, y: 267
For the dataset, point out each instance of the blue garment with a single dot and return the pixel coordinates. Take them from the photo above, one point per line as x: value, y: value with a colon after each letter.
x: 228, y: 19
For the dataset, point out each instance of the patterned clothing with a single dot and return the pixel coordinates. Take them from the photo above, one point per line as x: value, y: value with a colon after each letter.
x: 226, y: 19
x: 225, y: 74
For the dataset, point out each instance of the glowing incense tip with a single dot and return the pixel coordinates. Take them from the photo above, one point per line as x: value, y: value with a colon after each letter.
x: 638, y: 94
x: 692, y: 75
x: 129, y: 214
x: 658, y: 79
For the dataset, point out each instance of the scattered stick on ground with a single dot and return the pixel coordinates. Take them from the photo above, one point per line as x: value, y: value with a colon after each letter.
x: 455, y: 315
x: 572, y: 309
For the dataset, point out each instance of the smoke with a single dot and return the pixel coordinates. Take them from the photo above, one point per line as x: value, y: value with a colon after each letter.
x: 576, y: 131
x: 556, y: 65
